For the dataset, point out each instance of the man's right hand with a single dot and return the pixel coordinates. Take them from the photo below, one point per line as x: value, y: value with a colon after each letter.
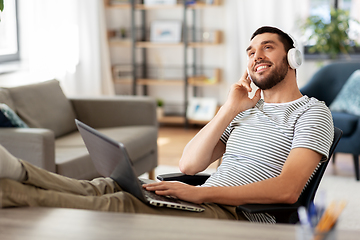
x: 238, y: 99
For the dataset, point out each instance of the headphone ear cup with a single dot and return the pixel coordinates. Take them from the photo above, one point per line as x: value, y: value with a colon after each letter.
x: 294, y: 57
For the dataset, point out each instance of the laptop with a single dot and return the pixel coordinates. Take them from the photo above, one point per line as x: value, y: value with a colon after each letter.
x: 111, y: 159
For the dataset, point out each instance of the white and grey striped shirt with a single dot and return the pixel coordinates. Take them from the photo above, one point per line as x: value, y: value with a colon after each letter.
x: 259, y: 140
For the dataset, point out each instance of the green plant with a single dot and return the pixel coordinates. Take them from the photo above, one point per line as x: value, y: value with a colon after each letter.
x: 160, y: 102
x: 330, y: 38
x: 1, y: 6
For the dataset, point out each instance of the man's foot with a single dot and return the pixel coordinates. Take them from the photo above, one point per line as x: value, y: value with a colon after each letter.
x: 10, y: 166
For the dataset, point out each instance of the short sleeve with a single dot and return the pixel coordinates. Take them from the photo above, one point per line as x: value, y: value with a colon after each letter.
x: 314, y: 129
x: 226, y: 134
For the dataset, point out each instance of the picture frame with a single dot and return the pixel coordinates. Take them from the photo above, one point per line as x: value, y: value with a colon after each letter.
x: 159, y: 2
x: 165, y: 31
x: 122, y: 71
x: 201, y: 109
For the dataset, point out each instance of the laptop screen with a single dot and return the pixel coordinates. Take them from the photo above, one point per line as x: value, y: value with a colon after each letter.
x: 111, y: 159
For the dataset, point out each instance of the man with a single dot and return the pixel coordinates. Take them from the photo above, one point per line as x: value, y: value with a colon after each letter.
x: 270, y: 148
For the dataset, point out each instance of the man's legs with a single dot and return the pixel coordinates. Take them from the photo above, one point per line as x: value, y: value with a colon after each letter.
x: 16, y: 194
x: 22, y: 171
x: 42, y: 188
x: 10, y: 167
x: 51, y: 181
x: 23, y: 184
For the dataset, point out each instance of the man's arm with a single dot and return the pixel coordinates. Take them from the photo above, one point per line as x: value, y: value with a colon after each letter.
x: 206, y: 147
x: 286, y: 188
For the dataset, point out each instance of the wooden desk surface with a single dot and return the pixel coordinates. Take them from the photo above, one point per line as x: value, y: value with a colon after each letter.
x: 55, y: 223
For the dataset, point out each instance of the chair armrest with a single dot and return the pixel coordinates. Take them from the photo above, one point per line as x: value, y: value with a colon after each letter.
x: 114, y: 111
x: 34, y: 145
x: 261, y: 208
x: 194, y: 180
x: 284, y: 213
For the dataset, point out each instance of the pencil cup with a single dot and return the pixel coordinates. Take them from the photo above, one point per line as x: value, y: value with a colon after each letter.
x: 304, y: 233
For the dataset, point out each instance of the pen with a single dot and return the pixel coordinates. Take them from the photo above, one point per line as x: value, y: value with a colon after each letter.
x: 313, y: 216
x: 320, y: 206
x: 330, y: 217
x: 303, y: 217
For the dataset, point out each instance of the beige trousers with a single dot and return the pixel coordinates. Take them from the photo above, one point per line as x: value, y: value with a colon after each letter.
x: 46, y: 189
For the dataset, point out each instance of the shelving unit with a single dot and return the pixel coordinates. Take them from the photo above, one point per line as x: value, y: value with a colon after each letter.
x: 140, y: 74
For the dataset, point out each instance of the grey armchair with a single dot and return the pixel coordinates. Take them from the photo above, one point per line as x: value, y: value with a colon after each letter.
x: 52, y: 142
x: 325, y: 86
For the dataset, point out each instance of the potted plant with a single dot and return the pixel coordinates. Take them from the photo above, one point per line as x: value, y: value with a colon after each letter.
x: 331, y: 38
x: 160, y: 108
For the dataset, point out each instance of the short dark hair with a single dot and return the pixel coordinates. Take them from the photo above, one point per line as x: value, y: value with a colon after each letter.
x: 283, y: 37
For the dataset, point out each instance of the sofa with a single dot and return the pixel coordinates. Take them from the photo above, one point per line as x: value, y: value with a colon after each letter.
x: 49, y: 138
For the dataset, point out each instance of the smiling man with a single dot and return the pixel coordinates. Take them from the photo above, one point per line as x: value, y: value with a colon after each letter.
x: 270, y: 147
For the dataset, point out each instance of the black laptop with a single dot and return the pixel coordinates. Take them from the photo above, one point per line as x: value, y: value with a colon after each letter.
x: 110, y: 159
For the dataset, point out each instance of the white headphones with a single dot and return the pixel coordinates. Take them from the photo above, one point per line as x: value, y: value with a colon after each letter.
x: 294, y: 56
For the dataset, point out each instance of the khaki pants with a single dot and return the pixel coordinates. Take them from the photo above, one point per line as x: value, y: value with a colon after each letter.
x: 46, y: 189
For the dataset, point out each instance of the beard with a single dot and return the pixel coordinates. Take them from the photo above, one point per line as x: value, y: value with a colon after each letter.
x: 275, y: 76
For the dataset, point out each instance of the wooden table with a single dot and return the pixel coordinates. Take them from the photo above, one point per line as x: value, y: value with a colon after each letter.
x: 55, y: 223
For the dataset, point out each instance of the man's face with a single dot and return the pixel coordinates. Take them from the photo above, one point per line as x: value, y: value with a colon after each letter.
x: 267, y: 64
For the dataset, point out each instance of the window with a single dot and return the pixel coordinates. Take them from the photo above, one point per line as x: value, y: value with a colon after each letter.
x: 322, y: 8
x: 9, y: 44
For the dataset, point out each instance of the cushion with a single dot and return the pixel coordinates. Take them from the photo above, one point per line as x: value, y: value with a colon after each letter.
x: 348, y: 99
x: 44, y: 105
x: 75, y: 162
x: 6, y: 98
x: 346, y: 122
x: 8, y: 117
x: 138, y: 140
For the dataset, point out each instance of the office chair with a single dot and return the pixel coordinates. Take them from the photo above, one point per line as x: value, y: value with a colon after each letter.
x: 284, y: 213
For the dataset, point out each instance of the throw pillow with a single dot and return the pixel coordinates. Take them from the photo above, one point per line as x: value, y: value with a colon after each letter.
x: 44, y: 105
x: 348, y: 99
x: 8, y: 118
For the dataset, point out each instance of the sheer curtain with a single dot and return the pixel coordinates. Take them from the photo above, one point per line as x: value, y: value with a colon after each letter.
x: 355, y: 13
x: 66, y: 40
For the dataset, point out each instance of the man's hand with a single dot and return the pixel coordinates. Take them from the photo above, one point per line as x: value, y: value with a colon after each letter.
x: 176, y: 189
x: 238, y: 99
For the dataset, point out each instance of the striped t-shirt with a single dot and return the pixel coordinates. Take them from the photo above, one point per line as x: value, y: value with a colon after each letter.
x: 259, y: 140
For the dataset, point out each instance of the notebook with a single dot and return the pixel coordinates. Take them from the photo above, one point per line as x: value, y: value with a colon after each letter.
x: 111, y: 159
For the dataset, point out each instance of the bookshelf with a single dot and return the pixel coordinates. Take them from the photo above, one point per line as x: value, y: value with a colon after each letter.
x: 191, y: 75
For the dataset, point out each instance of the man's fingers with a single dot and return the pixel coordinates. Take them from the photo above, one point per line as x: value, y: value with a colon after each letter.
x: 158, y: 186
x: 246, y: 83
x: 257, y: 96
